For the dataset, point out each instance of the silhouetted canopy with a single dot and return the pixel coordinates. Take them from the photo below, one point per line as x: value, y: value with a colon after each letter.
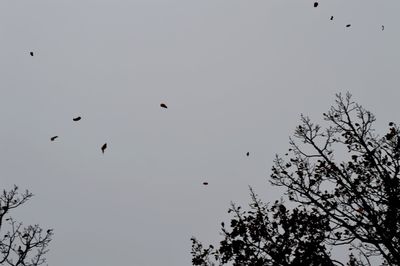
x: 77, y: 118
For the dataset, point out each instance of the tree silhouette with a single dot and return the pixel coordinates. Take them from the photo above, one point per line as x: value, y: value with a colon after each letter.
x: 268, y: 236
x: 20, y: 246
x: 343, y: 179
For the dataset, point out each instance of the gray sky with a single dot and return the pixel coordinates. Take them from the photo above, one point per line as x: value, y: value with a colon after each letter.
x: 235, y: 75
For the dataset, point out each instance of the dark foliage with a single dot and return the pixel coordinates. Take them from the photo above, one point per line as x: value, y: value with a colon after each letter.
x: 269, y: 236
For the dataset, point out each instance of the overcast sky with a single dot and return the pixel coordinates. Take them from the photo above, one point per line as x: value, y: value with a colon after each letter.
x: 236, y: 75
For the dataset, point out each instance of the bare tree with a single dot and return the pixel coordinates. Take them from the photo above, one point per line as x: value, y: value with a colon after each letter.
x: 20, y: 246
x: 349, y: 173
x: 344, y: 179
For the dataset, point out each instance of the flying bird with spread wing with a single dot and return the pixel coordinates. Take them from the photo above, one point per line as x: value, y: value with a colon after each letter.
x: 163, y: 105
x: 104, y: 147
x: 77, y: 118
x: 53, y: 138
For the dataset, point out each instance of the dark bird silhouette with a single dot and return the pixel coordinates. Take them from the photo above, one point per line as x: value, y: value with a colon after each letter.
x: 315, y: 4
x: 348, y: 25
x: 53, y: 138
x: 77, y: 118
x: 247, y: 154
x: 331, y: 17
x: 383, y: 27
x: 104, y: 147
x: 205, y: 183
x: 31, y: 53
x: 163, y: 105
x: 360, y: 210
x: 20, y: 252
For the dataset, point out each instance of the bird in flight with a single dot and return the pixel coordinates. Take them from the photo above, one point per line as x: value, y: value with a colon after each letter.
x: 53, y: 138
x: 331, y: 17
x: 205, y: 183
x: 383, y: 27
x: 163, y: 105
x: 247, y: 154
x: 315, y: 4
x: 348, y: 25
x: 77, y: 118
x: 104, y: 147
x: 31, y: 53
